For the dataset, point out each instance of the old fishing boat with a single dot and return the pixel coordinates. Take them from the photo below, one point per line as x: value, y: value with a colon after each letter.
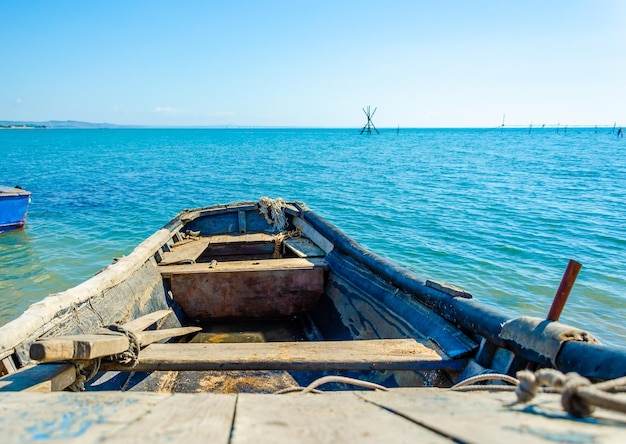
x: 13, y: 208
x: 199, y: 329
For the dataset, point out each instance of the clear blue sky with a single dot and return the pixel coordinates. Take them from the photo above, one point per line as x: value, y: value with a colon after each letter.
x: 314, y: 63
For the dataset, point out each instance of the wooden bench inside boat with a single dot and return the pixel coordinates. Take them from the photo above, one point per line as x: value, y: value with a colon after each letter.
x: 204, y: 248
x: 375, y: 354
x: 253, y: 289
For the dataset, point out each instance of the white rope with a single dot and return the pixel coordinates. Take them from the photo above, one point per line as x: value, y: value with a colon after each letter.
x: 274, y: 212
x: 486, y: 377
x: 311, y: 388
x: 579, y: 397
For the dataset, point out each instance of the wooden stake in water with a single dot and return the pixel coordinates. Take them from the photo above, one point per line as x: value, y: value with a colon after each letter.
x: 567, y: 282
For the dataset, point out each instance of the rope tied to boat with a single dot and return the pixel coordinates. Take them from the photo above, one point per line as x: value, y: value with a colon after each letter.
x: 579, y: 397
x: 274, y: 212
x: 130, y: 357
x: 86, y: 369
x: 280, y: 237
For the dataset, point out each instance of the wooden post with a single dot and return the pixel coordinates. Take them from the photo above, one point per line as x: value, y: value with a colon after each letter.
x: 567, y: 282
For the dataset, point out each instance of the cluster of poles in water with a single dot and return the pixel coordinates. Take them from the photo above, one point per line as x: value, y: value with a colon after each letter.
x: 614, y: 129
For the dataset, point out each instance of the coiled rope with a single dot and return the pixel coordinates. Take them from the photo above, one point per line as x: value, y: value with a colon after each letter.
x: 86, y: 369
x: 579, y: 397
x: 129, y: 357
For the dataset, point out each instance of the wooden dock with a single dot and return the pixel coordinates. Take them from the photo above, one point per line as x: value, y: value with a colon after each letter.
x: 400, y: 415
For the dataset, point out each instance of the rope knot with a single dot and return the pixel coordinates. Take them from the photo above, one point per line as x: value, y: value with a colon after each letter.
x: 130, y: 357
x: 571, y: 401
x: 527, y: 387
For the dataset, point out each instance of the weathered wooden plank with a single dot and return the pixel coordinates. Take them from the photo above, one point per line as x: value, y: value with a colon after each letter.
x: 185, y: 251
x: 304, y: 247
x: 71, y: 417
x: 182, y: 418
x: 146, y: 321
x: 250, y: 289
x: 39, y: 378
x: 380, y: 354
x: 482, y: 417
x: 245, y: 238
x: 7, y: 366
x: 240, y: 266
x: 78, y: 347
x: 152, y: 336
x: 97, y: 345
x: 340, y: 417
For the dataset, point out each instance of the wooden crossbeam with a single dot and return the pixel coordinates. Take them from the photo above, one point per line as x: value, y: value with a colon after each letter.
x: 379, y: 354
x: 97, y: 345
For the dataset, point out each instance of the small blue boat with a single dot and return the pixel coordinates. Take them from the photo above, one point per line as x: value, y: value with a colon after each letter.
x: 13, y: 207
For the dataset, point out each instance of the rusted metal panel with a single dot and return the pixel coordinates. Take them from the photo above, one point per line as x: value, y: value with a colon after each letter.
x: 248, y: 294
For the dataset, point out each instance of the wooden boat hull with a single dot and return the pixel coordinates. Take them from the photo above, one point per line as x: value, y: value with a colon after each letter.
x: 13, y: 208
x: 226, y: 270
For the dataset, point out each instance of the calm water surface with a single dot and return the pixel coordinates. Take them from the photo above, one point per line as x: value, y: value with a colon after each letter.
x: 498, y: 213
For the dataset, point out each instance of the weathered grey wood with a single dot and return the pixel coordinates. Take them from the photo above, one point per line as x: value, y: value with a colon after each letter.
x: 186, y: 251
x: 242, y: 266
x: 340, y: 418
x: 39, y: 378
x: 182, y: 418
x: 152, y: 336
x: 310, y: 232
x: 71, y: 417
x: 146, y: 321
x: 381, y: 354
x: 399, y: 415
x: 7, y: 366
x: 78, y: 347
x: 97, y: 345
x: 482, y: 417
x: 303, y: 247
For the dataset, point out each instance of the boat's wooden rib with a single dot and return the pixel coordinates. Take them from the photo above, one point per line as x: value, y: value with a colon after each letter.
x: 377, y: 354
x: 97, y: 345
x: 143, y: 322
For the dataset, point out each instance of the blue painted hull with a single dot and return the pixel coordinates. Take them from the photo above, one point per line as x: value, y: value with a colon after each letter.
x: 13, y: 208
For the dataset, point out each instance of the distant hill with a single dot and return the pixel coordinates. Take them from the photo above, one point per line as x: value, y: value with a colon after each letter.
x: 9, y: 124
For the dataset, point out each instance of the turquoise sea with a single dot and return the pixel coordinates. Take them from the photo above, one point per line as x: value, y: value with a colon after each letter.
x: 496, y: 212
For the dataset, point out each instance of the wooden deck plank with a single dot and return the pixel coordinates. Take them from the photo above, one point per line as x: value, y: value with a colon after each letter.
x: 482, y: 417
x: 182, y: 418
x: 70, y: 417
x: 341, y: 417
x: 380, y: 354
x: 406, y: 415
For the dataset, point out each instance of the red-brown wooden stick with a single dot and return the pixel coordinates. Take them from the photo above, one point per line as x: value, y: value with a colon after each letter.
x: 567, y: 282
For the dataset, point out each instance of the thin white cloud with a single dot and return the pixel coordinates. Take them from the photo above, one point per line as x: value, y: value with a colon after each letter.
x: 18, y: 101
x: 168, y: 111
